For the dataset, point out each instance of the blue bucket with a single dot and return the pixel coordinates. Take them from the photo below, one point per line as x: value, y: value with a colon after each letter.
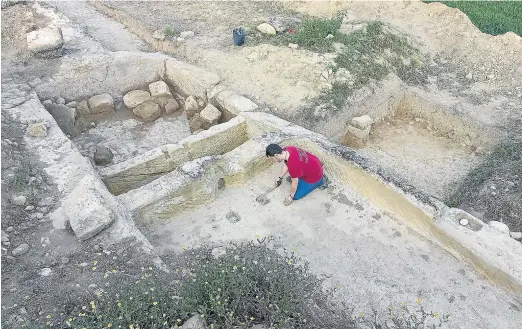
x: 239, y: 36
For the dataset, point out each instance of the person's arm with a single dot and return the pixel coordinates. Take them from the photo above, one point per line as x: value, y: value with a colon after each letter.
x: 284, y: 170
x: 293, y: 189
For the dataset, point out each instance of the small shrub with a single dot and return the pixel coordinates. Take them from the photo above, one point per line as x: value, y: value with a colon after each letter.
x: 169, y: 31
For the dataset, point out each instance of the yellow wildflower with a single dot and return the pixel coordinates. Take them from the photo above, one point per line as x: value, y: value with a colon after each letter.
x: 154, y: 303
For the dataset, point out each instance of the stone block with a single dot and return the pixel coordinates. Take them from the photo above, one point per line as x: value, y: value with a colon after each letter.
x: 148, y: 111
x: 45, y: 39
x: 87, y: 209
x: 101, y: 103
x: 210, y: 116
x: 135, y: 97
x: 189, y: 78
x: 159, y: 89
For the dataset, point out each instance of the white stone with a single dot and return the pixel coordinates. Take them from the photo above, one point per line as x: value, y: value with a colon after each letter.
x: 20, y: 250
x: 210, y: 116
x: 218, y: 252
x: 37, y: 129
x: 516, y: 235
x: 501, y: 227
x: 101, y: 103
x: 362, y: 122
x: 233, y: 104
x: 355, y: 137
x: 159, y: 35
x: 148, y: 111
x: 45, y: 39
x: 191, y: 106
x: 60, y: 100
x: 159, y: 89
x: 464, y: 222
x: 72, y: 104
x: 45, y: 271
x: 186, y: 34
x: 195, y: 322
x: 171, y: 106
x: 83, y: 107
x: 19, y: 200
x: 135, y: 97
x: 87, y: 209
x: 469, y: 76
x: 189, y: 78
x: 293, y: 45
x: 266, y: 29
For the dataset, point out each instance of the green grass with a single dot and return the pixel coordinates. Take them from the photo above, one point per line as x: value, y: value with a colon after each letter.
x: 492, y: 17
x: 369, y: 54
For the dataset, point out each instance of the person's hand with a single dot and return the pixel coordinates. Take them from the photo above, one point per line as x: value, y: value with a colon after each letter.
x: 279, y: 181
x: 288, y: 200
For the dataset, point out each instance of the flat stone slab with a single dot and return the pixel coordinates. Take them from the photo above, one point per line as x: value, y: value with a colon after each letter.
x: 86, y: 208
x: 45, y: 39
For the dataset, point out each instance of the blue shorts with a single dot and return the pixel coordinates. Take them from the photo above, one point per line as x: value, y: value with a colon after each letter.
x: 303, y: 188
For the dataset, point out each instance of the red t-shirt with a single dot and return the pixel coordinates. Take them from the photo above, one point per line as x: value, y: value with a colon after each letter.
x: 304, y: 165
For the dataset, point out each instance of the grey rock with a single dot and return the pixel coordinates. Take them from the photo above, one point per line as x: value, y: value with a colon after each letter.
x: 102, y: 155
x: 9, y: 229
x: 266, y: 28
x: 196, y: 122
x: 501, y: 227
x: 218, y: 252
x: 47, y: 201
x: 101, y: 103
x: 39, y: 215
x: 293, y: 45
x: 191, y: 106
x: 20, y: 250
x: 195, y: 322
x: 516, y: 235
x: 362, y: 122
x: 282, y: 24
x: 159, y: 89
x: 47, y: 102
x: 210, y: 116
x: 65, y: 118
x: 45, y: 39
x: 83, y: 107
x: 72, y: 104
x: 19, y: 200
x: 29, y: 208
x: 37, y: 129
x: 5, y: 237
x: 171, y: 106
x: 46, y: 271
x: 148, y: 111
x: 469, y: 76
x: 159, y: 35
x: 135, y: 97
x: 186, y: 34
x: 87, y: 209
x: 64, y: 260
x: 60, y: 100
x: 10, y: 259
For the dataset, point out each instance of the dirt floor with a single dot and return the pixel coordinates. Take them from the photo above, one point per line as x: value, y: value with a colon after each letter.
x: 360, y: 250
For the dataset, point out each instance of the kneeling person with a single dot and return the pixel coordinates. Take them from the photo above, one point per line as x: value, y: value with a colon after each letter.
x: 304, y: 168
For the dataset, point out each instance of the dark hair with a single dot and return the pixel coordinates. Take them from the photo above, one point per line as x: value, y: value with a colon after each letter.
x: 273, y: 149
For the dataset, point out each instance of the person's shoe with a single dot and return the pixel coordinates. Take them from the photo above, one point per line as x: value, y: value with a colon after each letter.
x: 326, y: 183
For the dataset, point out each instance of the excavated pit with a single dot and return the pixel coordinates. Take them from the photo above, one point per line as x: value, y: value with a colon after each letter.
x: 418, y: 139
x: 364, y: 231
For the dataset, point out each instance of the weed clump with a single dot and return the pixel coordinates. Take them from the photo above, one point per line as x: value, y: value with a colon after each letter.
x: 250, y: 284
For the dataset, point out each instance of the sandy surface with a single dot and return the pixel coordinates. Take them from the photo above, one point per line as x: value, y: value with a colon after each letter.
x: 372, y: 259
